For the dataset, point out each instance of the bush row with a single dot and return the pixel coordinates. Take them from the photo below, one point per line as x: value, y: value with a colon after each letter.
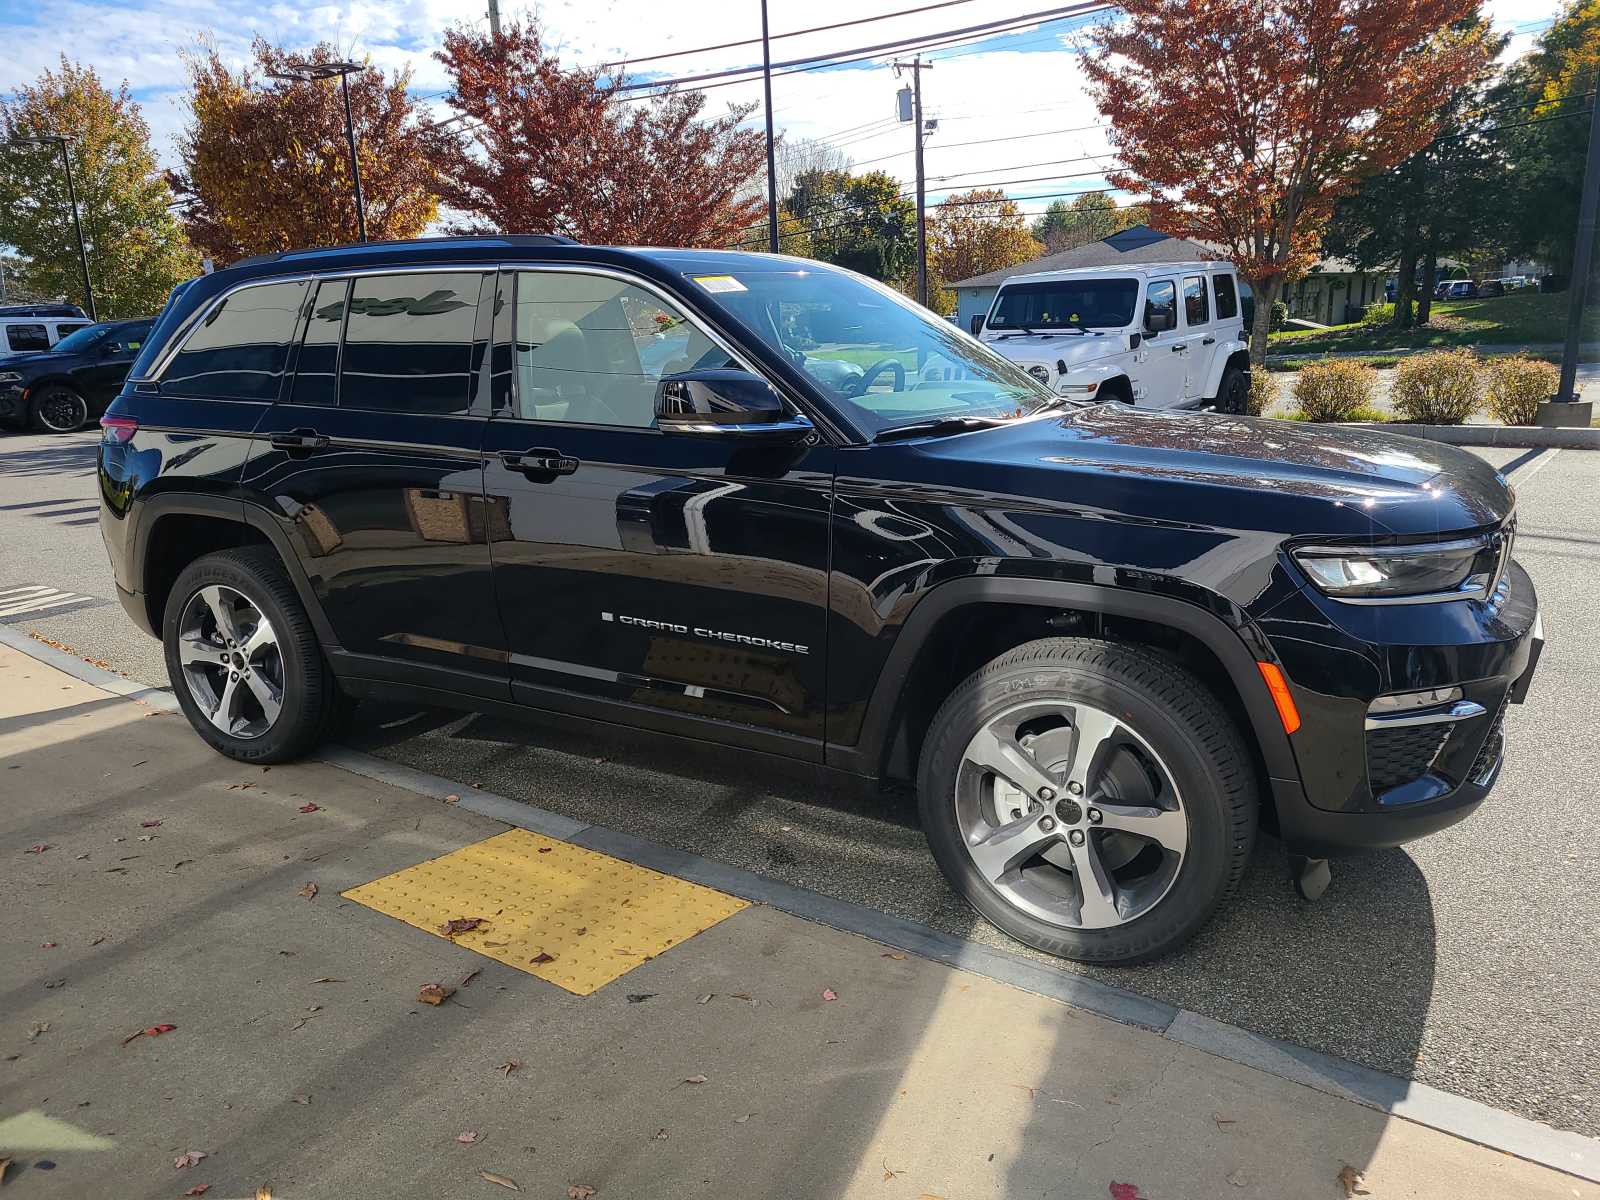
x: 1441, y: 387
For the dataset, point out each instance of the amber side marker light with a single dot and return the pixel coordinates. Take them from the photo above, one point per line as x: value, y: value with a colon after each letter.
x: 1279, y: 687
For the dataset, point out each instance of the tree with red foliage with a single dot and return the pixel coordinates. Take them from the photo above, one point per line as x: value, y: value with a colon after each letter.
x: 1243, y: 121
x: 540, y: 148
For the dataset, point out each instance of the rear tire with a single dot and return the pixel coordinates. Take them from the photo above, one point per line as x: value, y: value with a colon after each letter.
x: 244, y: 660
x: 1163, y: 825
x: 1233, y: 394
x: 59, y: 409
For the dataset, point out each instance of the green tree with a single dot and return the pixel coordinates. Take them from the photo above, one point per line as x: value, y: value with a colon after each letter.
x: 857, y: 221
x: 136, y: 251
x: 1091, y: 217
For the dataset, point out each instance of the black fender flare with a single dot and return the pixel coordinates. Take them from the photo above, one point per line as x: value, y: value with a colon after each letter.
x: 1236, y: 644
x: 240, y: 512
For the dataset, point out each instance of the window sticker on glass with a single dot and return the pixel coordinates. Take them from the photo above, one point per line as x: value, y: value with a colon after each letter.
x: 720, y: 283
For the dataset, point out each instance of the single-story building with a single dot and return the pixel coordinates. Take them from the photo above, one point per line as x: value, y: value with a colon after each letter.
x: 1140, y: 244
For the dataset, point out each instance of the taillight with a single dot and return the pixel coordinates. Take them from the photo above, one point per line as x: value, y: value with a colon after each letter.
x: 118, y: 430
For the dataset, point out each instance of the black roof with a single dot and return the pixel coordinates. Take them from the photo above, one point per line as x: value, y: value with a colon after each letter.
x: 42, y: 310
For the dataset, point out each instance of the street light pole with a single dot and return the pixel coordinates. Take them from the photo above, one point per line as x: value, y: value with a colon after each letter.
x: 313, y: 71
x: 1582, y: 259
x: 772, y: 167
x: 61, y: 141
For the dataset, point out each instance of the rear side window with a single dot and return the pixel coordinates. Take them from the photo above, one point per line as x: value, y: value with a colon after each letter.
x: 27, y: 337
x: 1196, y: 308
x: 66, y: 327
x: 238, y: 351
x: 408, y: 343
x: 316, y: 378
x: 1227, y: 297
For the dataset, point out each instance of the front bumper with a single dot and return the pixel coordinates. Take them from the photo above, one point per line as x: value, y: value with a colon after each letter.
x: 1356, y: 790
x: 13, y: 402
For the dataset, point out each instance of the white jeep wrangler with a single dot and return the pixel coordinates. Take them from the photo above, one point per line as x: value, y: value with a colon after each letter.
x: 1163, y: 335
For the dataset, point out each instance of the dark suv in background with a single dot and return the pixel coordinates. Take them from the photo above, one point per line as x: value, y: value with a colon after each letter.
x: 770, y: 504
x: 61, y: 389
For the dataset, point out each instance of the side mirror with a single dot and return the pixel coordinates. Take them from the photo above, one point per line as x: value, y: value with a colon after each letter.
x: 725, y: 402
x: 1159, y: 320
x: 977, y: 325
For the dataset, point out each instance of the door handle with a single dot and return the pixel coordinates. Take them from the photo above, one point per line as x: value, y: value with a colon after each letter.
x: 541, y: 460
x: 1180, y: 347
x: 1210, y: 341
x: 299, y: 439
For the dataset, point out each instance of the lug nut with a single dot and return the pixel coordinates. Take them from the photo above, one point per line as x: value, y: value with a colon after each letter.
x: 1076, y: 837
x: 1075, y: 788
x: 1047, y: 823
x: 1096, y: 816
x: 1047, y: 794
x: 1016, y: 814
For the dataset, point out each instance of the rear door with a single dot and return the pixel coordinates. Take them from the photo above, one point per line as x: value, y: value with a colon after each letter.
x: 650, y: 577
x: 371, y: 466
x: 100, y: 374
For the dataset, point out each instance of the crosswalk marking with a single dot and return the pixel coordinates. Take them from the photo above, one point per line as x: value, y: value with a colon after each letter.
x: 26, y: 600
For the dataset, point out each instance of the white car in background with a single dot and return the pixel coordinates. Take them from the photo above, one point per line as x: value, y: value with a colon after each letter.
x: 1165, y: 335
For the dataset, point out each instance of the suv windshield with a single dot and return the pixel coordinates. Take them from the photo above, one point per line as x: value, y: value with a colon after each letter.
x: 885, y: 360
x: 83, y: 339
x: 1065, y: 304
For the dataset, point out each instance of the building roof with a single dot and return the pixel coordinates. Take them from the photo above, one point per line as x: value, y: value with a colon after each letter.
x: 1140, y: 244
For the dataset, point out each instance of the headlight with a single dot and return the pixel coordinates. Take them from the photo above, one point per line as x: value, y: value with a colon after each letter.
x: 1439, y: 569
x: 10, y: 377
x: 1042, y: 374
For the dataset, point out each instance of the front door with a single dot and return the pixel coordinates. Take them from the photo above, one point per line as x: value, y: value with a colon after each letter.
x: 371, y: 466
x: 101, y: 376
x: 669, y: 580
x: 1161, y: 374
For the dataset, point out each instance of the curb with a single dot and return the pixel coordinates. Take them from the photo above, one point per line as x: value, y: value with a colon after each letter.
x: 1470, y: 1120
x: 1531, y: 437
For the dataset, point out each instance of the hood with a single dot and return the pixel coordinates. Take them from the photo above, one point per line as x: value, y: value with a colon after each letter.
x: 10, y: 362
x: 1069, y: 347
x: 1280, y: 476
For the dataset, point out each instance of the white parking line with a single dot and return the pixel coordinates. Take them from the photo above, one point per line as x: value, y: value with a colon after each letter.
x: 20, y: 601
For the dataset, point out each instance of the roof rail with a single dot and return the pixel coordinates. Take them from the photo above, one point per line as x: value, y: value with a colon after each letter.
x: 502, y: 239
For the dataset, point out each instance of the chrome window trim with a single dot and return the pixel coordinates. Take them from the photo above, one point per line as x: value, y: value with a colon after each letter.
x: 1461, y: 710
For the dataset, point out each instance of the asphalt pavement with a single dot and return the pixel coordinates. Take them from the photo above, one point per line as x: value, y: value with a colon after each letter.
x: 1466, y: 961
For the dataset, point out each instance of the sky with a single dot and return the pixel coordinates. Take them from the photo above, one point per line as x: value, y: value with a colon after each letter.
x: 1010, y: 105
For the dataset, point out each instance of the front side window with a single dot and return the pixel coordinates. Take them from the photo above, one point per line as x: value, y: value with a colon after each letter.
x: 1227, y: 297
x: 1196, y: 308
x: 878, y: 356
x: 238, y: 351
x: 408, y: 343
x: 1161, y: 301
x: 84, y: 339
x: 1065, y: 304
x: 27, y: 337
x: 590, y: 349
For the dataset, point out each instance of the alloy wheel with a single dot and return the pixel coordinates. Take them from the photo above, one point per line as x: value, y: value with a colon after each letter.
x: 1070, y: 815
x: 62, y: 411
x: 231, y: 660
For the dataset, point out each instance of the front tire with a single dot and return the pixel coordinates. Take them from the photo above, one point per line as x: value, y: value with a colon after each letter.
x: 244, y: 660
x: 59, y: 409
x: 1089, y: 798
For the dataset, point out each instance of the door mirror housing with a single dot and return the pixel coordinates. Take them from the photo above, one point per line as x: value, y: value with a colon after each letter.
x: 725, y: 402
x: 1159, y: 320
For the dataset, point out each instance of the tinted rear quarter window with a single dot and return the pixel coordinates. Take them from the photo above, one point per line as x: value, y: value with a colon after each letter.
x: 1227, y: 297
x: 408, y: 342
x: 238, y: 351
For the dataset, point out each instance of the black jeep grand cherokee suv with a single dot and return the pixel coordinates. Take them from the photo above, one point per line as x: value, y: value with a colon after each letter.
x: 770, y: 504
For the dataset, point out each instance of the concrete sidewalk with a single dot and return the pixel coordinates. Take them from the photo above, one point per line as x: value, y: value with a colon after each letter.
x: 301, y: 1057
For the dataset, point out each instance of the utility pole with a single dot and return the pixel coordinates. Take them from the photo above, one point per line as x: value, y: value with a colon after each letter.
x: 1582, y: 261
x: 916, y: 66
x: 60, y: 141
x: 772, y: 161
x: 343, y: 70
x: 494, y: 17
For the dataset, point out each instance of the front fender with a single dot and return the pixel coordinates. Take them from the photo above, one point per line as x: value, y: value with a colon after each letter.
x: 1077, y: 379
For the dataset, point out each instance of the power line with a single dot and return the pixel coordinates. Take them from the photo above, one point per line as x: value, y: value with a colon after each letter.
x: 817, y: 61
x: 904, y: 12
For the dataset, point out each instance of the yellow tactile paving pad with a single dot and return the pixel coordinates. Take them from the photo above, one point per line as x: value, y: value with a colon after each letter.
x: 595, y: 916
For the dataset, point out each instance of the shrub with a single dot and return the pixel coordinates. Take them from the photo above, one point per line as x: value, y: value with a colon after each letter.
x: 1280, y: 316
x: 1379, y: 313
x: 1437, y: 388
x: 1516, y: 386
x: 1371, y: 415
x: 1263, y: 391
x: 1333, y: 389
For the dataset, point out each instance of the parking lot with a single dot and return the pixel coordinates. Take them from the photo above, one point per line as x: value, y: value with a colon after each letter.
x: 1466, y: 961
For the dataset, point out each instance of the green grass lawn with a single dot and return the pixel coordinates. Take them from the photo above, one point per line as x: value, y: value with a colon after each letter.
x: 1500, y: 320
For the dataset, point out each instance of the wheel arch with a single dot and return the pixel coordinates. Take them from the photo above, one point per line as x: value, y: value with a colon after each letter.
x: 1222, y: 650
x: 1229, y: 354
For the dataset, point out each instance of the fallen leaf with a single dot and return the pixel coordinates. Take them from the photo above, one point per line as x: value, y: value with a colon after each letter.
x: 264, y: 1191
x: 461, y: 925
x: 929, y: 1196
x: 452, y: 799
x: 1237, y: 1178
x: 116, y: 870
x: 98, y: 940
x: 188, y: 1159
x: 55, y: 983
x: 640, y: 997
x: 580, y: 931
x: 149, y: 824
x: 491, y: 1177
x: 829, y: 994
x: 1222, y: 1120
x: 199, y: 1189
x: 546, y: 849
x: 579, y: 1191
x: 510, y: 1065
x: 301, y: 1099
x: 152, y: 1031
x: 182, y: 862
x: 894, y: 954
x: 329, y: 979
x: 695, y: 1079
x: 37, y: 1028
x: 39, y: 849
x: 80, y: 857
x: 309, y: 891
x: 1352, y: 1180
x: 743, y: 1119
x: 310, y: 808
x: 888, y: 1171
x: 706, y: 999
x: 470, y: 976
x: 434, y: 993
x: 467, y: 1136
x: 5, y: 1164
x: 48, y: 945
x: 542, y: 957
x: 659, y: 1135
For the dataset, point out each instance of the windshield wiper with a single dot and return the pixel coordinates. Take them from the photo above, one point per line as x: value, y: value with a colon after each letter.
x: 936, y: 426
